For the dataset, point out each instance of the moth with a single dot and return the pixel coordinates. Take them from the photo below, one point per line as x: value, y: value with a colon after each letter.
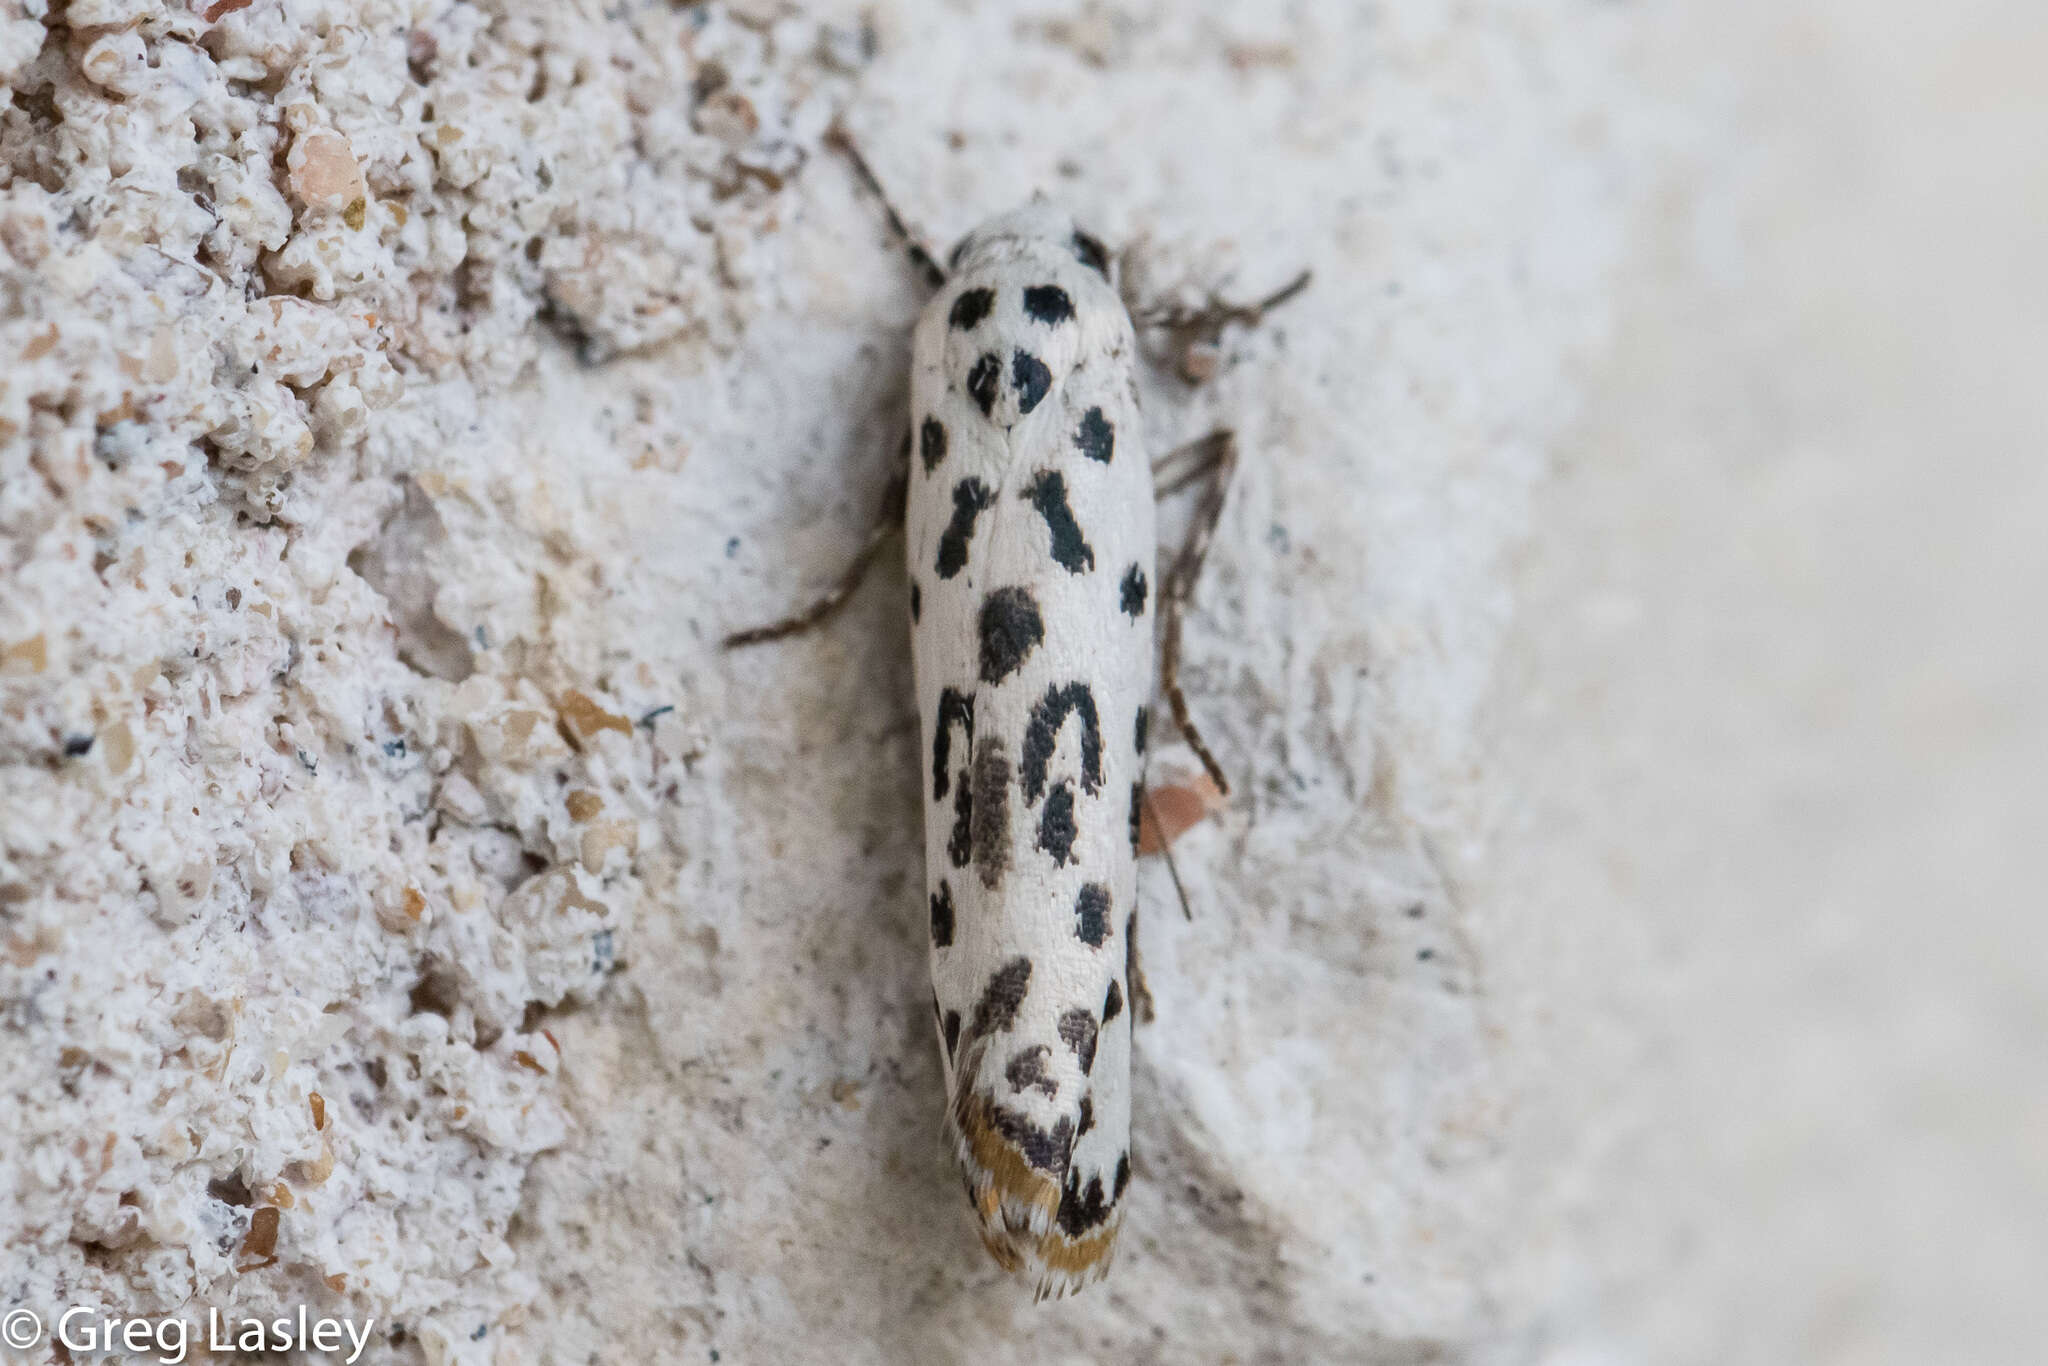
x: 1030, y: 548
x: 1030, y: 545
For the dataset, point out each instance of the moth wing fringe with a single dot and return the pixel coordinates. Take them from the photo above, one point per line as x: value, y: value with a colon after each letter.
x: 1017, y: 1205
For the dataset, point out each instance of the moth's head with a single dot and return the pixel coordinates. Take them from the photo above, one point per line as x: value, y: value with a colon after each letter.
x: 1034, y: 227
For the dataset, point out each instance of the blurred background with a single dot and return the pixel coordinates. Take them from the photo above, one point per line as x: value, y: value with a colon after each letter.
x: 1782, y: 711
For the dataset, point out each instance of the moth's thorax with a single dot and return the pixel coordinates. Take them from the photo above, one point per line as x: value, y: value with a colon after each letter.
x: 1024, y: 309
x: 1036, y: 225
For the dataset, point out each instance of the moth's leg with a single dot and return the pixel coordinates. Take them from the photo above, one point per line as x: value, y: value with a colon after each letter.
x: 1196, y: 331
x: 888, y: 522
x: 1141, y: 995
x: 1212, y: 317
x: 1187, y: 463
x: 899, y: 485
x: 1166, y: 848
x: 1180, y: 588
x: 920, y: 255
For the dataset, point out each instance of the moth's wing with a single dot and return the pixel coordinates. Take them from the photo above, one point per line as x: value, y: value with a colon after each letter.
x: 1024, y: 545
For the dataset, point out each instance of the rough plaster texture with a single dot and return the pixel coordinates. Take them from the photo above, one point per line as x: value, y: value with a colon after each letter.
x: 398, y: 402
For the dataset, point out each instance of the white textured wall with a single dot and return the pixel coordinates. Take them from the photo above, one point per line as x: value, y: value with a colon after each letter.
x: 397, y: 402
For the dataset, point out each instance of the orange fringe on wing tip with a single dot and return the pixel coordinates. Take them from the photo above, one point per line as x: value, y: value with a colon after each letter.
x: 1005, y: 1255
x: 1073, y: 1264
x: 1001, y: 1180
x: 1011, y: 1180
x: 1076, y: 1256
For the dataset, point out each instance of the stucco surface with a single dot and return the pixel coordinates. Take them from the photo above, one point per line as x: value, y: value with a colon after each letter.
x: 1613, y: 634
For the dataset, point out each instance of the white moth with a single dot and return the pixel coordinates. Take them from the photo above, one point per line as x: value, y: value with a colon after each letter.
x: 1029, y: 520
x: 1030, y: 545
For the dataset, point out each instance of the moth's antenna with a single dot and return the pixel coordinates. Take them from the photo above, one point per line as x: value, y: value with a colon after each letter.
x: 920, y: 256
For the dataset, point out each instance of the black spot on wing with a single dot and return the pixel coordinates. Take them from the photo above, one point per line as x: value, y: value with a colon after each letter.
x: 1056, y: 832
x: 970, y: 308
x: 1046, y: 1149
x: 1131, y: 973
x: 1042, y: 733
x: 1113, y: 1002
x: 1087, y: 1116
x: 1137, y: 813
x: 1070, y: 549
x: 991, y: 819
x: 1011, y: 629
x: 942, y: 916
x: 1030, y: 378
x: 931, y: 443
x: 1077, y: 1031
x: 1091, y: 253
x: 1082, y: 1210
x: 960, y: 843
x: 1144, y: 720
x: 952, y: 1033
x: 982, y: 381
x: 1132, y: 592
x: 955, y: 709
x: 1123, y: 1175
x: 971, y: 498
x: 1096, y: 437
x: 1091, y: 915
x: 916, y: 603
x: 1049, y: 304
x: 1000, y: 998
x: 1026, y: 1072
